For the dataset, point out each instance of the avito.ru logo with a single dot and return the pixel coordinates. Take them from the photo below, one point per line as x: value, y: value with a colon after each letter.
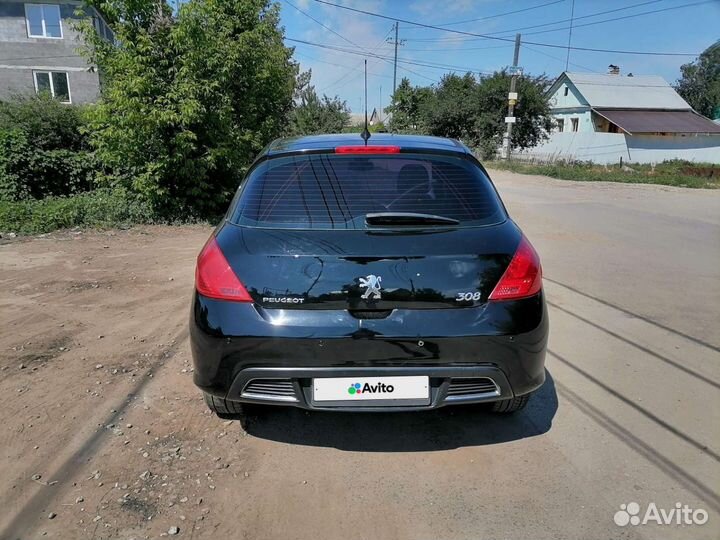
x: 630, y: 514
x: 367, y: 388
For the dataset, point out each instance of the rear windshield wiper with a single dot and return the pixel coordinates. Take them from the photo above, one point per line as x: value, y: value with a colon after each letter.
x: 407, y: 218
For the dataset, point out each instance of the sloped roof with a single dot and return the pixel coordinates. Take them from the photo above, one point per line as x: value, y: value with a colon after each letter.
x: 623, y: 92
x: 640, y: 121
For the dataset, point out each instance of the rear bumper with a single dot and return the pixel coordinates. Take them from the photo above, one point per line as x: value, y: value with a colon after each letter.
x: 236, y: 344
x: 444, y: 382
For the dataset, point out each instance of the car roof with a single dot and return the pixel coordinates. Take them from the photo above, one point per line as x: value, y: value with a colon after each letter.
x: 328, y: 142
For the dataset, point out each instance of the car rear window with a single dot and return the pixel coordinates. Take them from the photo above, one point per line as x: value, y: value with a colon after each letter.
x: 331, y: 191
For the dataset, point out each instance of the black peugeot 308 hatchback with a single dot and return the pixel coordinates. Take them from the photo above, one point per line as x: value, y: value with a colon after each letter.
x: 367, y: 276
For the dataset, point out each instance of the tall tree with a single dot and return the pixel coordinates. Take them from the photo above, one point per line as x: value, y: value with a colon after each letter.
x: 700, y: 82
x: 189, y: 97
x: 453, y: 107
x: 532, y: 111
x: 473, y: 110
x: 313, y: 114
x: 408, y: 104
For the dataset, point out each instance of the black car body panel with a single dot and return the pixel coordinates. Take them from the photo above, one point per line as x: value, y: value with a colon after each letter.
x: 421, y: 269
x: 309, y: 317
x: 509, y: 336
x: 323, y: 143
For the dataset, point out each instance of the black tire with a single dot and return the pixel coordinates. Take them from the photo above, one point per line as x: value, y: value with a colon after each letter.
x: 506, y: 406
x: 225, y: 409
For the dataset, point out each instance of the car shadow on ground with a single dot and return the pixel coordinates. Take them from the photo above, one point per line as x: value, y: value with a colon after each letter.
x: 441, y: 429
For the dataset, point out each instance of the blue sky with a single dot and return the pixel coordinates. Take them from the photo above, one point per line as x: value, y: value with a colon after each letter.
x: 687, y: 29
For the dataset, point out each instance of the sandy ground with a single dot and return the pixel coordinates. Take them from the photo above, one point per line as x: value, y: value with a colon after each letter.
x: 103, y: 434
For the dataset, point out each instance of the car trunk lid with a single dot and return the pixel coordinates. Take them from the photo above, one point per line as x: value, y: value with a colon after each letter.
x: 369, y: 271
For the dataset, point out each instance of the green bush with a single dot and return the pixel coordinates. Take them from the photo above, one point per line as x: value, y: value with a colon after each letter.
x: 47, y: 123
x: 189, y: 99
x: 42, y: 150
x: 99, y: 208
x: 30, y: 172
x: 488, y: 149
x: 14, y: 165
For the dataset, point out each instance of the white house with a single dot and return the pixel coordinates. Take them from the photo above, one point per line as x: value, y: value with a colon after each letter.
x: 608, y: 117
x: 375, y: 117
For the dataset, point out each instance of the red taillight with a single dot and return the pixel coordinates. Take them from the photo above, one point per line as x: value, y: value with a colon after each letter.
x: 523, y: 276
x: 214, y: 278
x: 367, y: 149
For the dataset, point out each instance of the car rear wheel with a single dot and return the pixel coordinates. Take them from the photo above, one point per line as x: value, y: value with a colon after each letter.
x: 224, y: 408
x: 511, y: 405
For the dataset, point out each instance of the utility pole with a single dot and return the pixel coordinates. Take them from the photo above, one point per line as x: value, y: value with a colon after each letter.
x: 395, y: 42
x: 512, y: 100
x: 395, y: 65
x: 380, y: 116
x: 572, y: 19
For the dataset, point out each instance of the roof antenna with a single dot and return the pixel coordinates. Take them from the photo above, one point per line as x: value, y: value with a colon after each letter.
x: 365, y: 133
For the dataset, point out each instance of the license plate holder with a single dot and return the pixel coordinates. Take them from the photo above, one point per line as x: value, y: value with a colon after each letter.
x: 400, y: 391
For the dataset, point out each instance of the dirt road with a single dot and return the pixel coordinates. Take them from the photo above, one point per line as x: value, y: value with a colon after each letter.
x: 104, y: 435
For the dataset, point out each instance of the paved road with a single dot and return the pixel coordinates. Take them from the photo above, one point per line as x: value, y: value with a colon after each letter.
x: 630, y: 411
x: 633, y: 281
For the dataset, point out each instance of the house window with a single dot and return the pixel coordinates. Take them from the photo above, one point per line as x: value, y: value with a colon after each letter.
x: 103, y: 30
x: 561, y: 125
x: 566, y: 91
x: 43, y: 21
x: 54, y: 83
x: 574, y: 122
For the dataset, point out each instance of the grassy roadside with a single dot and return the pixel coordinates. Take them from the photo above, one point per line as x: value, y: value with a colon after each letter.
x: 669, y: 173
x: 102, y: 208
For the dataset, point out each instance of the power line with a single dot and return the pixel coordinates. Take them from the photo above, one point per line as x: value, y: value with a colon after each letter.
x: 590, y: 15
x: 343, y: 77
x: 323, y: 25
x: 485, y: 36
x: 622, y: 18
x: 338, y: 65
x: 433, y: 65
x: 355, y: 69
x: 506, y: 13
x: 463, y: 49
x: 538, y: 51
x: 349, y: 41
